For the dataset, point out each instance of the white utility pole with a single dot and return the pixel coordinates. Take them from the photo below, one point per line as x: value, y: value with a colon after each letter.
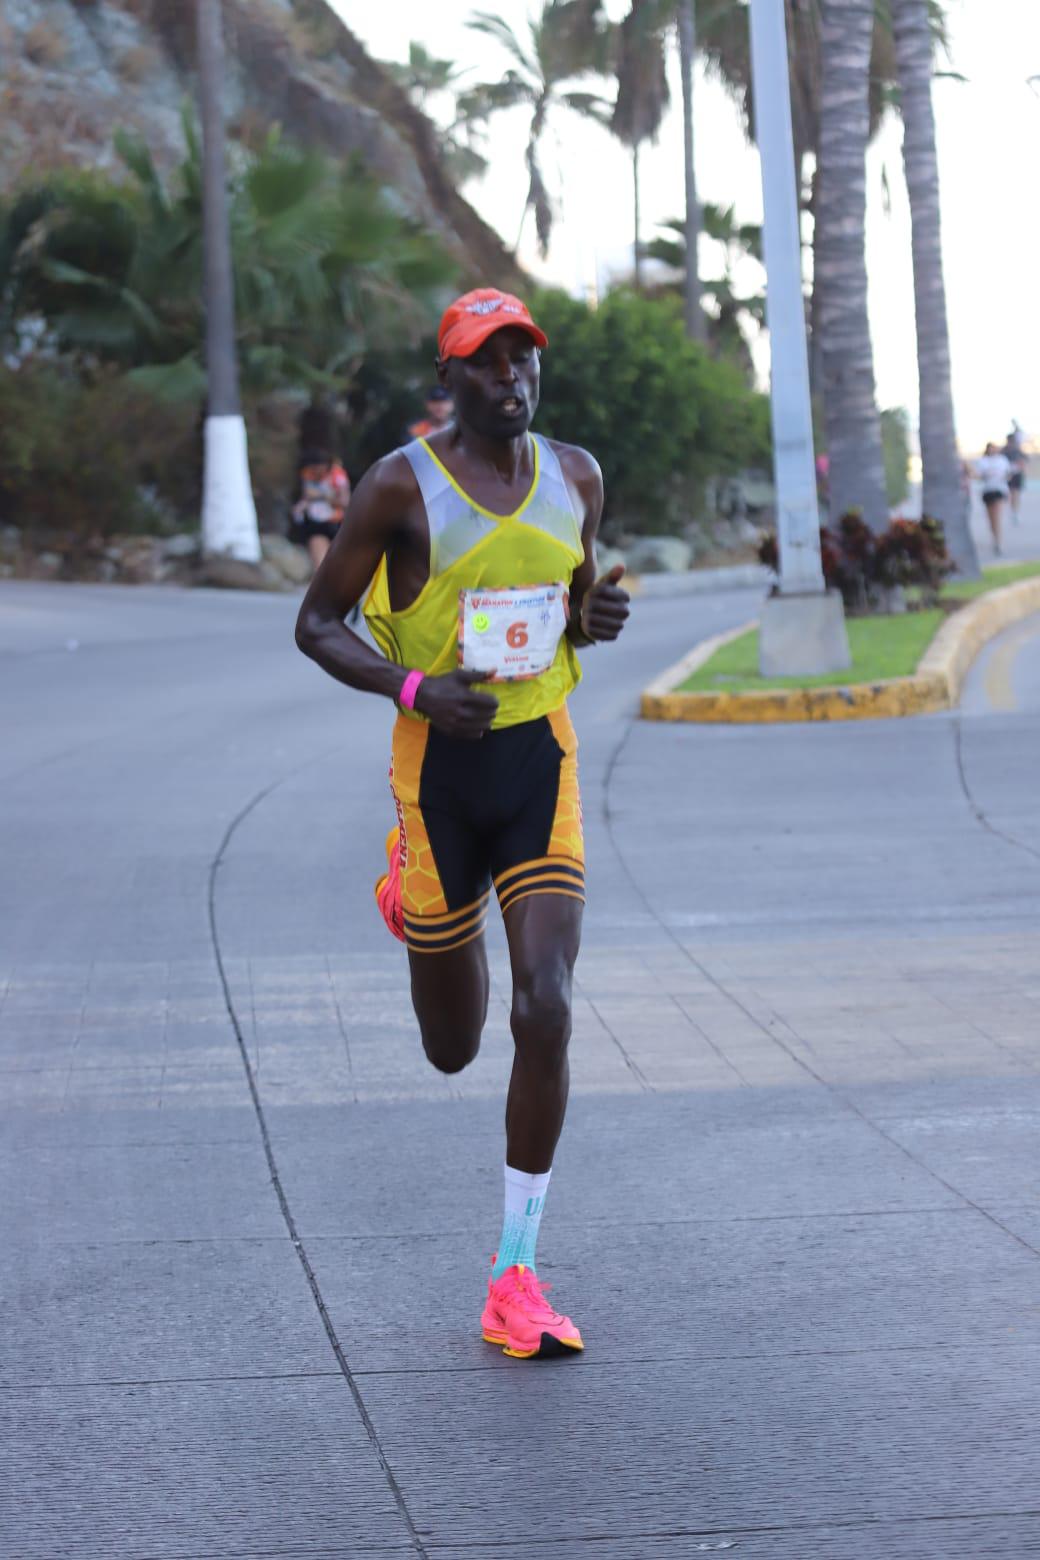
x: 803, y: 627
x: 229, y: 525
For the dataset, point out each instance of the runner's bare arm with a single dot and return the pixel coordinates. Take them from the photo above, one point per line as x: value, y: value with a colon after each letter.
x: 373, y: 521
x: 599, y: 607
x: 370, y: 525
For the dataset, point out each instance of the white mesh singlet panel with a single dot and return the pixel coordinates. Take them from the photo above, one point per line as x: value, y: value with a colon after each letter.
x: 456, y: 526
x: 551, y: 508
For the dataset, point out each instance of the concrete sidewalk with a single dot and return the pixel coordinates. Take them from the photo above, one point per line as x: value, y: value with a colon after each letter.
x: 796, y: 1209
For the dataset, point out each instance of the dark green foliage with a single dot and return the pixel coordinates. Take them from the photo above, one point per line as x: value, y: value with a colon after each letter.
x: 324, y: 267
x: 729, y: 313
x: 83, y: 457
x: 895, y: 447
x: 659, y: 415
x: 102, y: 325
x: 81, y: 460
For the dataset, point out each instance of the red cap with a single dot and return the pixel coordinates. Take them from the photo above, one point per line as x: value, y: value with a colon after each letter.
x: 475, y: 316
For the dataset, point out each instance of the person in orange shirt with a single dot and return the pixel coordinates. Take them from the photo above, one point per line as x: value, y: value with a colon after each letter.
x: 440, y: 409
x: 324, y: 490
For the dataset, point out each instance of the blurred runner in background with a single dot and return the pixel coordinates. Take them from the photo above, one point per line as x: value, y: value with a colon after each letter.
x: 440, y: 409
x: 324, y: 493
x: 993, y: 471
x: 1016, y: 457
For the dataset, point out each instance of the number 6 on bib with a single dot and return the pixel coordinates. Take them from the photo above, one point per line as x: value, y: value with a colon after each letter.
x: 515, y: 629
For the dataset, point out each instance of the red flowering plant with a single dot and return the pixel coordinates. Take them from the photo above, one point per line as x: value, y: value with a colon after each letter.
x: 865, y: 567
x: 852, y: 569
x: 913, y: 552
x: 845, y: 557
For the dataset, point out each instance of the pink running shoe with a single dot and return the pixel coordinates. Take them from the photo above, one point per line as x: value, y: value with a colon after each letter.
x: 388, y: 889
x: 517, y: 1317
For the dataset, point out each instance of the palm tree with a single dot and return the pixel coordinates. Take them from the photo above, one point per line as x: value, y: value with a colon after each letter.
x: 228, y: 511
x: 642, y: 95
x: 724, y: 46
x: 731, y: 310
x: 374, y: 87
x: 426, y: 76
x: 696, y: 327
x: 324, y: 269
x: 943, y: 495
x: 567, y: 40
x: 857, y: 473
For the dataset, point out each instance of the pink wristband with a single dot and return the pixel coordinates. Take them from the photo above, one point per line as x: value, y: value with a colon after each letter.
x: 409, y: 688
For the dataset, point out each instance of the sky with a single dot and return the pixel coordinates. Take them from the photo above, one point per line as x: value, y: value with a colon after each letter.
x: 988, y: 130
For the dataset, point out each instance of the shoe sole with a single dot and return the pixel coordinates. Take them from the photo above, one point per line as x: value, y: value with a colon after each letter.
x: 550, y: 1347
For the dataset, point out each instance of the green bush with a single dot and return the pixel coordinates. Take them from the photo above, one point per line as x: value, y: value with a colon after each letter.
x: 325, y: 268
x: 659, y: 415
x: 895, y: 449
x: 103, y: 274
x: 83, y: 460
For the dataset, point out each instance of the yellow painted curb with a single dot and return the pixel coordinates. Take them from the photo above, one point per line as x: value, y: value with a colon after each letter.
x: 936, y: 684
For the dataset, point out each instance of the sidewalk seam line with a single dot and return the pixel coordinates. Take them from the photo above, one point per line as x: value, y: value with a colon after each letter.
x: 276, y: 1182
x: 977, y: 811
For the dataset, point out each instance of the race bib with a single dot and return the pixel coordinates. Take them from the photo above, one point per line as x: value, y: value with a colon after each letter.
x: 513, y: 631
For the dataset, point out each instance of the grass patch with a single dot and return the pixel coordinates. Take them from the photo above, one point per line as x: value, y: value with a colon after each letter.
x: 992, y: 579
x: 881, y: 646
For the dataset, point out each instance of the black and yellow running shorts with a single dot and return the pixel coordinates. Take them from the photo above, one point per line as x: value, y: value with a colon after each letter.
x: 502, y: 810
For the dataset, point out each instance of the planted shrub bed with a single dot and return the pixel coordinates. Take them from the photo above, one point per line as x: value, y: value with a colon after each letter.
x: 882, y: 646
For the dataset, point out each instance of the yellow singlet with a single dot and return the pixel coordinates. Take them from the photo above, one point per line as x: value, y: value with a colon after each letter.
x: 471, y: 549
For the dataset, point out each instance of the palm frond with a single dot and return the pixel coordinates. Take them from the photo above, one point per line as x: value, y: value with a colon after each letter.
x: 184, y: 380
x: 486, y: 98
x: 591, y: 105
x: 643, y: 94
x: 571, y: 38
x: 492, y: 26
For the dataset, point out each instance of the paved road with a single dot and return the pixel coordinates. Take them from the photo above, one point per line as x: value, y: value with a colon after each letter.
x: 796, y: 1209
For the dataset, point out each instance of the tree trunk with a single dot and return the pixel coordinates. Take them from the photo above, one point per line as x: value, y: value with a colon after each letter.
x: 221, y: 363
x: 815, y: 297
x: 857, y: 474
x: 695, y: 322
x: 943, y: 497
x: 637, y: 258
x: 228, y: 511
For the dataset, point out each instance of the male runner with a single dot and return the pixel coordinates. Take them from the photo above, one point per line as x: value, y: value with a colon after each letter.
x: 439, y: 411
x: 479, y: 543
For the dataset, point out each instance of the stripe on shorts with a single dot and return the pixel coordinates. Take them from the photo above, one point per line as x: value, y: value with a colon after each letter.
x: 553, y: 875
x: 440, y: 933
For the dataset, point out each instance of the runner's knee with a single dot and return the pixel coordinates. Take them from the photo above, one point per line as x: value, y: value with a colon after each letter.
x: 541, y: 1016
x: 450, y: 1050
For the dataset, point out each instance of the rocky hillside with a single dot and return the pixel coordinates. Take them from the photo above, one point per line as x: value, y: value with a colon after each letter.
x: 72, y: 71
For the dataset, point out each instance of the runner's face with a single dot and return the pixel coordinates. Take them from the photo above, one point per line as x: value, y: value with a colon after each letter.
x: 496, y: 389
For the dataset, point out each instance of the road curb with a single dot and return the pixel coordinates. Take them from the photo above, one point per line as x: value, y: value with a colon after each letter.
x: 701, y: 582
x: 936, y: 684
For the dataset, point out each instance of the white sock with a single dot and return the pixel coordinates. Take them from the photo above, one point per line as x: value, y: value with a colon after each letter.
x: 525, y: 1199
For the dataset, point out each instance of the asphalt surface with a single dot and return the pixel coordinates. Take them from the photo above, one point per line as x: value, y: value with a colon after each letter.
x: 796, y: 1209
